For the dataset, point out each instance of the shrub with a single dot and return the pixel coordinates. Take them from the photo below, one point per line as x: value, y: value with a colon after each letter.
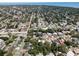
x: 33, y: 52
x: 62, y: 48
x: 2, y: 53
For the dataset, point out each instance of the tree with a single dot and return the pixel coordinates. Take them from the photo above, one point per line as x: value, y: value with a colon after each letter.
x: 54, y: 47
x: 33, y: 52
x: 45, y: 51
x: 40, y: 46
x: 4, y: 38
x: 62, y: 48
x: 11, y: 39
x: 47, y: 46
x: 2, y: 53
x: 68, y: 43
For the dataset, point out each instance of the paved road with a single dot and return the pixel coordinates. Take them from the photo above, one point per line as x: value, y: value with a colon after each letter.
x: 5, y: 33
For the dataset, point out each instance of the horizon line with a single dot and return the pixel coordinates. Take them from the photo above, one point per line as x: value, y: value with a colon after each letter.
x: 62, y: 4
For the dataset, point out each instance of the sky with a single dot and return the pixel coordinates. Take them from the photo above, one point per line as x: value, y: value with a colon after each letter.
x: 65, y: 4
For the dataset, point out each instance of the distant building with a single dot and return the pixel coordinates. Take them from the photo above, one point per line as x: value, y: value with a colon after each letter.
x: 50, y: 54
x: 40, y: 54
x: 3, y: 30
x: 70, y: 53
x: 76, y: 50
x: 12, y: 30
x: 2, y: 44
x: 77, y: 23
x: 22, y: 27
x: 61, y: 41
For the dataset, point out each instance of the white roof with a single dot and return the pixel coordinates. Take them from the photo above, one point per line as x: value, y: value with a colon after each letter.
x: 40, y: 54
x: 50, y: 54
x: 2, y: 44
x: 70, y: 53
